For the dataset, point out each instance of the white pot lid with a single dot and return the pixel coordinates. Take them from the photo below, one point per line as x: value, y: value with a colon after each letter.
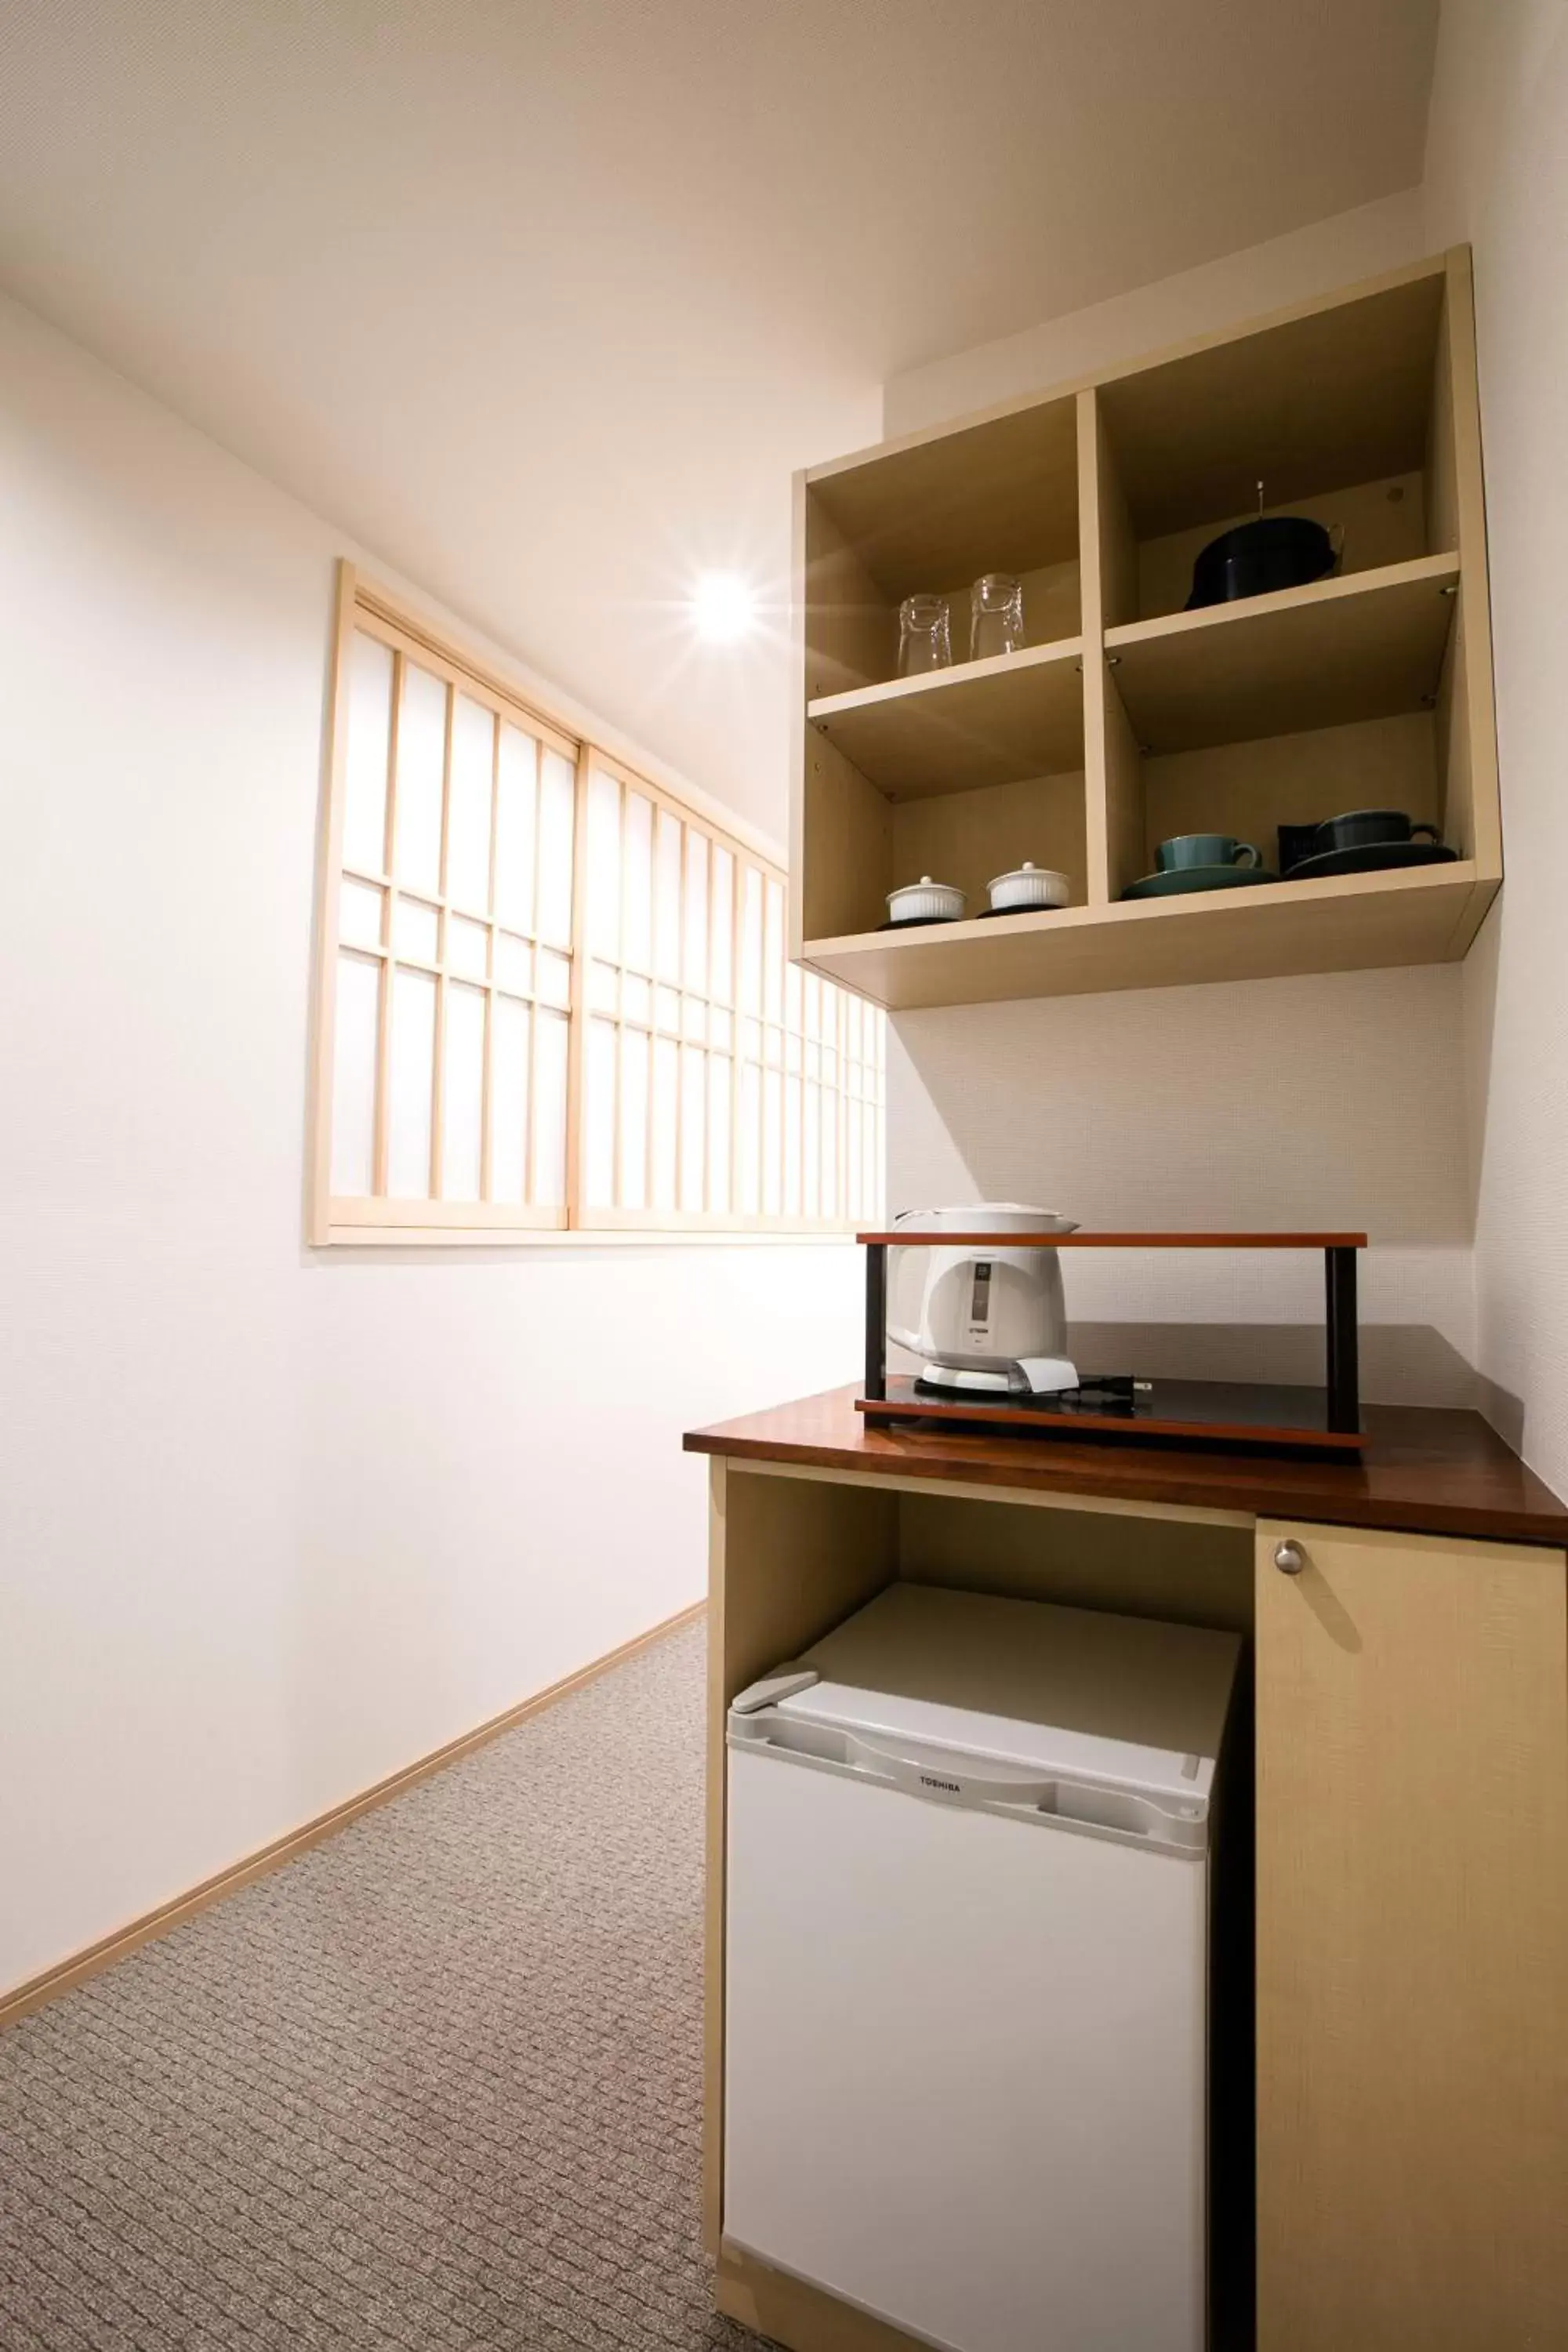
x: 1028, y: 872
x: 985, y: 1217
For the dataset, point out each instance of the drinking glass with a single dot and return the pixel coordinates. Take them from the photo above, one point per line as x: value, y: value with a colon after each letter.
x: 996, y: 615
x: 924, y: 638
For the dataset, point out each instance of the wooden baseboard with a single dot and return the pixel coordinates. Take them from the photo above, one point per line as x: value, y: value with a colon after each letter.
x: 64, y: 1974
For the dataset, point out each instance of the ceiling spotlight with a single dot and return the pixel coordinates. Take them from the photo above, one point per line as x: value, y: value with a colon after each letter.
x: 723, y: 607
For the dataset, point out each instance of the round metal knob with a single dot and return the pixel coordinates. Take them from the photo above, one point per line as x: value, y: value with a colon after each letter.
x: 1289, y: 1559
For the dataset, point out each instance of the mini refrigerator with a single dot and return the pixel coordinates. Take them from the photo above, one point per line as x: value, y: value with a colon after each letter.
x: 966, y: 1971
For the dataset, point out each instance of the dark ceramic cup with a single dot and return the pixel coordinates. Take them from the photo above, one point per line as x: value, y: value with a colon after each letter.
x: 1186, y: 850
x: 1372, y: 829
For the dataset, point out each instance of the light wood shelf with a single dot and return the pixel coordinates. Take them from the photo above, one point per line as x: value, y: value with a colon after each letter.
x: 1356, y: 922
x: 1369, y: 688
x: 964, y: 729
x: 1366, y: 646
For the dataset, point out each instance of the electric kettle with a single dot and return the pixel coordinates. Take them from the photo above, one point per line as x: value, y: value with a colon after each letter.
x: 985, y: 1320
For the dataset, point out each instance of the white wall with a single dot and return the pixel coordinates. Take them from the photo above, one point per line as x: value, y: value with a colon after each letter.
x: 1328, y: 1102
x: 1315, y: 260
x: 1498, y: 175
x: 274, y: 1524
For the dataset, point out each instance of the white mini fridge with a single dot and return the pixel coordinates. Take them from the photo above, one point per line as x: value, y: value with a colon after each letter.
x: 965, y: 1994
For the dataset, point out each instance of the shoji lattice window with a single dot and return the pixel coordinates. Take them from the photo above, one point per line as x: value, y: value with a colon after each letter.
x: 722, y: 1086
x: 550, y: 996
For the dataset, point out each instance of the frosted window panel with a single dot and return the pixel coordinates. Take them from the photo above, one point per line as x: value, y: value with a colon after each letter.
x: 468, y: 818
x: 752, y: 1039
x: 694, y: 1022
x: 772, y: 1143
x: 411, y: 1078
x: 773, y: 966
x: 364, y: 768
x: 603, y: 987
x: 751, y: 1161
x: 719, y: 1143
x: 665, y: 1113
x: 666, y: 897
x: 811, y: 1152
x: 421, y: 765
x: 509, y: 1099
x: 723, y: 943
x: 695, y: 957
x: 550, y: 1109
x: 636, y: 899
x: 792, y: 1051
x: 719, y: 1029
x: 854, y: 1116
x: 667, y: 1008
x: 467, y: 947
x: 599, y: 1121
x: 517, y: 818
x: 462, y: 1093
x: 554, y: 979
x: 359, y: 915
x: 636, y: 999
x: 693, y: 1125
x: 603, y: 875
x: 514, y: 963
x: 558, y: 795
x: 416, y: 929
x: 793, y: 1011
x: 813, y: 1006
x: 773, y: 1046
x: 792, y: 1147
x: 751, y: 940
x: 353, y: 1076
x: 814, y: 1061
x: 634, y: 1120
x: 832, y: 1206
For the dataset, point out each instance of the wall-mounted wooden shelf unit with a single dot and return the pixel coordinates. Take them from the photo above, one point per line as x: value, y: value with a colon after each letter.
x: 1126, y: 719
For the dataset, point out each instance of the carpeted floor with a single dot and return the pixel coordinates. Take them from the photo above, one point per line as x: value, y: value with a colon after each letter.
x: 433, y: 2086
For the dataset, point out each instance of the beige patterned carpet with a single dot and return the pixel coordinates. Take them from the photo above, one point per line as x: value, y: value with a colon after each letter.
x: 433, y: 2086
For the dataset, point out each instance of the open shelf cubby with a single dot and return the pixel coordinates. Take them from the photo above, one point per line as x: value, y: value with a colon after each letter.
x: 1125, y: 718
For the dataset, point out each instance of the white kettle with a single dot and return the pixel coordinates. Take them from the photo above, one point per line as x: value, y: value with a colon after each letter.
x: 985, y: 1320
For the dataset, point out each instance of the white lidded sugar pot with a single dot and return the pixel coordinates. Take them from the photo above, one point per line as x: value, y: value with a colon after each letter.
x: 985, y: 1320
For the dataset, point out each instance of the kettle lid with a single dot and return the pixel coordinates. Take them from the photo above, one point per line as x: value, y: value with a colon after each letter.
x: 997, y: 1217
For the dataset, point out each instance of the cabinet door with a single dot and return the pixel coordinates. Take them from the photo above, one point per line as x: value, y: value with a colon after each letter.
x: 1412, y: 1944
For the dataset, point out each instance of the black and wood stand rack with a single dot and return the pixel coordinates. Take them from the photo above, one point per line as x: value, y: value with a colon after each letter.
x: 1216, y: 1411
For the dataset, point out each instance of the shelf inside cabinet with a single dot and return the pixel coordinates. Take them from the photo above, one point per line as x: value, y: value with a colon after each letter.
x: 1355, y: 922
x: 964, y: 729
x: 1364, y: 646
x: 998, y: 495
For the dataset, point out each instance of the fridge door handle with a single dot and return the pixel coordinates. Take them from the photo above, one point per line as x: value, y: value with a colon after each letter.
x: 943, y: 1781
x: 941, y: 1777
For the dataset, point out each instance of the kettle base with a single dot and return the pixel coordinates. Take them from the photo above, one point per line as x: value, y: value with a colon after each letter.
x: 1029, y: 1376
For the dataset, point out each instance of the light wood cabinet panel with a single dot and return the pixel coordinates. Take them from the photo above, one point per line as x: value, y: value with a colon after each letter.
x: 1412, y: 1944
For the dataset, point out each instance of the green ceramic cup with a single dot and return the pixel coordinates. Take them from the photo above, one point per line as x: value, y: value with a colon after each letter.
x: 1189, y: 849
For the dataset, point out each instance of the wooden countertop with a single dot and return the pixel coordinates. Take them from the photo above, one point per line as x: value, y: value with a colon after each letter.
x: 1432, y: 1472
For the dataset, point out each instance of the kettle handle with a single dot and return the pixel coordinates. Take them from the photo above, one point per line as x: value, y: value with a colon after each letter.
x: 909, y: 1339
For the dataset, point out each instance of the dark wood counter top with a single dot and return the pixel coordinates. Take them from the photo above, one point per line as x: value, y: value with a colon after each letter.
x: 1431, y: 1471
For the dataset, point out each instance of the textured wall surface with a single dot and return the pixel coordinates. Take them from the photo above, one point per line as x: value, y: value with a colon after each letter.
x: 1498, y: 175
x: 274, y: 1524
x: 1332, y: 1102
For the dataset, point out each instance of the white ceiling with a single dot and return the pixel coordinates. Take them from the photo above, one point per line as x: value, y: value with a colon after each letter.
x: 542, y: 302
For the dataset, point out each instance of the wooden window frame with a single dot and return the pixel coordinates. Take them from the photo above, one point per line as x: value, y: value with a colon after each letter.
x: 377, y: 1219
